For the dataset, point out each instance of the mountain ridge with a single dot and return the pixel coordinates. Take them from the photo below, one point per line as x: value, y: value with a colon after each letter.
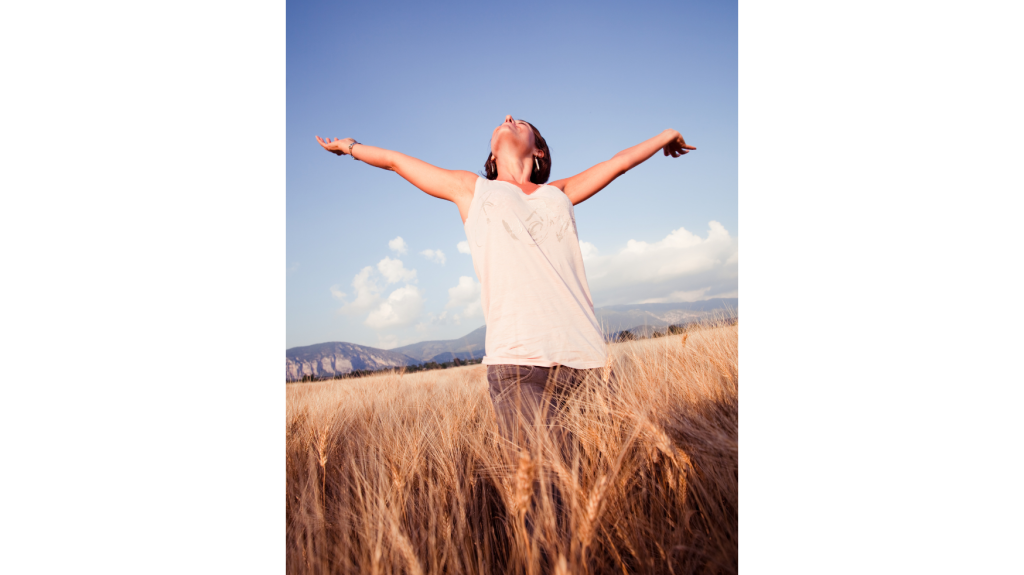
x: 337, y: 358
x: 473, y: 342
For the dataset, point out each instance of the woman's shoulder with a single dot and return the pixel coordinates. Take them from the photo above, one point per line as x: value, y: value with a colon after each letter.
x: 560, y: 184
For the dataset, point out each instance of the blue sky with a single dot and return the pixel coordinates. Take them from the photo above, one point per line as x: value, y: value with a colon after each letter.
x: 433, y: 82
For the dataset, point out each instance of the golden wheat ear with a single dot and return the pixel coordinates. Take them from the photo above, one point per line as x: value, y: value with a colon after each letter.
x: 562, y: 567
x: 524, y: 482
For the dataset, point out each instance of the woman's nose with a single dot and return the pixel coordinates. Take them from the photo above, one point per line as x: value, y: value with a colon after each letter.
x: 508, y: 118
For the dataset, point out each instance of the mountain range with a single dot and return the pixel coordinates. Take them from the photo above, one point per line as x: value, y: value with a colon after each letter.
x: 470, y: 346
x: 615, y: 318
x: 337, y: 358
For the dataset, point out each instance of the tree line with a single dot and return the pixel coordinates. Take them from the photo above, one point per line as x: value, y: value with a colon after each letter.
x: 627, y: 335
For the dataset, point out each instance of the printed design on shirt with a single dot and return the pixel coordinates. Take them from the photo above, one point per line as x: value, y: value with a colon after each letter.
x: 489, y: 208
x: 564, y: 227
x: 545, y: 218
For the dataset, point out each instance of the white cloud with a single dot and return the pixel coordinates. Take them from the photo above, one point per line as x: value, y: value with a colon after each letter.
x: 366, y: 289
x: 394, y: 271
x: 434, y: 256
x: 463, y: 247
x: 336, y: 292
x: 398, y: 245
x: 467, y: 296
x: 680, y: 267
x: 680, y: 296
x: 387, y: 341
x: 432, y: 319
x: 588, y: 250
x: 402, y: 308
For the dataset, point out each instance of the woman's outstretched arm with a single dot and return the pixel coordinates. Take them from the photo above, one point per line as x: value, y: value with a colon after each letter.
x: 452, y: 185
x: 589, y: 182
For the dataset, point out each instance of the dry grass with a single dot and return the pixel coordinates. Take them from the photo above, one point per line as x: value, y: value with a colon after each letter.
x: 407, y: 473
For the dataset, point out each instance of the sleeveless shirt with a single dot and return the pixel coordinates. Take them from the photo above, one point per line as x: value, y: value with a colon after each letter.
x: 534, y: 292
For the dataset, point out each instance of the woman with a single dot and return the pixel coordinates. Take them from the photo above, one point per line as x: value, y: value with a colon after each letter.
x: 541, y: 328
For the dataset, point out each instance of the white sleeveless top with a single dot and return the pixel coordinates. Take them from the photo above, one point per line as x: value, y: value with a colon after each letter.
x: 534, y: 292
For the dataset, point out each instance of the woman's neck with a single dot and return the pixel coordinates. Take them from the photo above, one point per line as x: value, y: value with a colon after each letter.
x: 515, y: 170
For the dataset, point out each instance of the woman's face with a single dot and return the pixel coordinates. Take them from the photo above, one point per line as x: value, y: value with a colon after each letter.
x: 514, y: 134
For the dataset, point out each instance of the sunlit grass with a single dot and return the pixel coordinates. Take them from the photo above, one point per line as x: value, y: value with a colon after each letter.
x: 407, y: 473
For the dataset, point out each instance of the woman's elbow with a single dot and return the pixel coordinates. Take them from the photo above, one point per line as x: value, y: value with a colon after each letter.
x: 620, y: 166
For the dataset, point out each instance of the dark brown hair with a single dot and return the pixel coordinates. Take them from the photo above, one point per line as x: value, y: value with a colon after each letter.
x: 536, y: 176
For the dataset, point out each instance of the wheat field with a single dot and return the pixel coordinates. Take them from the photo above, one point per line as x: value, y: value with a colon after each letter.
x: 407, y: 473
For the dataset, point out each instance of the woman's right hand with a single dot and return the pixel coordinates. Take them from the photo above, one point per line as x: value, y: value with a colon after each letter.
x: 339, y: 147
x: 677, y: 146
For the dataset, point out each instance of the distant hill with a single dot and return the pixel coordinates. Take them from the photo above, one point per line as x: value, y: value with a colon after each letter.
x: 448, y: 356
x: 337, y: 358
x: 614, y: 318
x: 470, y: 346
x: 645, y: 331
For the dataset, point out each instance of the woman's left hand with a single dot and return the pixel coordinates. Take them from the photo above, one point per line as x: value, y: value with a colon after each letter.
x: 677, y: 146
x: 336, y: 146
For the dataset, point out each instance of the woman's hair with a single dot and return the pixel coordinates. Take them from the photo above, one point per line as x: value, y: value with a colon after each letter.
x: 536, y: 176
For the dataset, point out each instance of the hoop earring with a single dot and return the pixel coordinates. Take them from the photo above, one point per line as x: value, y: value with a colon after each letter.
x: 536, y: 163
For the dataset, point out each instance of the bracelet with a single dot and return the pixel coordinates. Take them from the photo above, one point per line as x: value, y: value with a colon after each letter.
x: 350, y: 148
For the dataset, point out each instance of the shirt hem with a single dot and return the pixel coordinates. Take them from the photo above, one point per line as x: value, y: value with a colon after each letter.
x: 488, y: 360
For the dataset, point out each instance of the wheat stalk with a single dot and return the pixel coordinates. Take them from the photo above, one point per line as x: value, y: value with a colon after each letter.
x: 665, y: 445
x: 593, y: 512
x: 606, y: 375
x: 321, y: 450
x: 524, y: 482
x: 561, y: 567
x: 405, y: 548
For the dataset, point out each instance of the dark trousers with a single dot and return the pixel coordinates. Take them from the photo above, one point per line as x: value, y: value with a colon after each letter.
x: 521, y: 395
x: 520, y: 388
